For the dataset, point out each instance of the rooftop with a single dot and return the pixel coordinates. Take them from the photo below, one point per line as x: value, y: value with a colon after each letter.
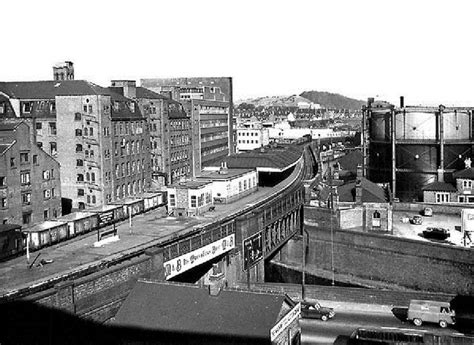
x: 190, y: 308
x: 439, y: 187
x: 276, y: 158
x: 464, y: 174
x: 371, y: 192
x: 222, y: 175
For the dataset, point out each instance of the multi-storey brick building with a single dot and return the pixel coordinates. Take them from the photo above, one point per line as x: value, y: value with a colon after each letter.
x: 170, y: 133
x: 208, y: 101
x: 30, y: 189
x: 99, y: 137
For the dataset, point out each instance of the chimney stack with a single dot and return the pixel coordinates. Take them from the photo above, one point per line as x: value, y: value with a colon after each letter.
x: 63, y: 71
x: 440, y: 174
x: 358, y: 185
x: 129, y: 87
x: 402, y: 101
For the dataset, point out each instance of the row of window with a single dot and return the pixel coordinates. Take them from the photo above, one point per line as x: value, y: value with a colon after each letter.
x: 87, y: 132
x: 248, y: 141
x: 213, y: 123
x: 27, y: 107
x: 52, y: 130
x: 127, y: 169
x: 179, y: 140
x: 179, y: 156
x: 180, y: 124
x: 53, y: 147
x: 251, y: 134
x: 126, y: 147
x: 128, y: 128
x: 47, y: 194
x: 214, y: 136
x: 210, y: 151
x: 130, y: 189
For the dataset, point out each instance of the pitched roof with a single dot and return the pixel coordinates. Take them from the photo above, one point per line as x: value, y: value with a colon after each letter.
x: 9, y: 227
x: 278, y: 158
x: 146, y: 93
x: 9, y: 126
x: 465, y: 174
x: 439, y: 187
x: 351, y: 160
x: 5, y: 146
x: 190, y: 308
x: 48, y: 89
x: 371, y: 192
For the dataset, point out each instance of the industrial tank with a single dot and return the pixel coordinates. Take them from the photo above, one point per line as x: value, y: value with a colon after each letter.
x: 411, y: 147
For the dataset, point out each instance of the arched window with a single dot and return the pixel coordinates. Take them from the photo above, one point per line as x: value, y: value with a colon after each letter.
x: 85, y: 132
x: 78, y: 132
x: 87, y: 176
x: 80, y: 177
x: 376, y: 223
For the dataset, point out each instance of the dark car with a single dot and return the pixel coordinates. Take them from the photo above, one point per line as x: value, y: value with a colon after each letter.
x: 436, y: 233
x: 313, y: 310
x: 417, y: 220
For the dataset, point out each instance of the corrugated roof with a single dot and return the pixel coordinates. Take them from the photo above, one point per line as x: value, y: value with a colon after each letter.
x: 465, y: 173
x: 439, y: 187
x: 179, y: 308
x: 371, y: 192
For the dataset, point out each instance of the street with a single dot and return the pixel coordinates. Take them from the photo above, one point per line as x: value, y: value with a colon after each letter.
x: 338, y: 329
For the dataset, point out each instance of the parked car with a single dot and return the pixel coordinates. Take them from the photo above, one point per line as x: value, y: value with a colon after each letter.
x: 436, y: 233
x: 428, y: 212
x: 420, y: 311
x: 417, y: 220
x: 313, y: 310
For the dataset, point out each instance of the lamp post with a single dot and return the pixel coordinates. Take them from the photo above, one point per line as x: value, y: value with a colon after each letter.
x: 305, y: 252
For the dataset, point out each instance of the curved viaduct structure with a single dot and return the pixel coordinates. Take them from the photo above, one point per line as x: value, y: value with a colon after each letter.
x: 236, y: 244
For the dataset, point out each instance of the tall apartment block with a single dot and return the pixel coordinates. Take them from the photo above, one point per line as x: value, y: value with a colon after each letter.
x: 209, y: 104
x: 170, y: 133
x: 99, y: 137
x: 30, y: 189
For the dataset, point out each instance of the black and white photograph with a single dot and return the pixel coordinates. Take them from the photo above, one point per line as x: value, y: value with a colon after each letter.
x: 237, y: 172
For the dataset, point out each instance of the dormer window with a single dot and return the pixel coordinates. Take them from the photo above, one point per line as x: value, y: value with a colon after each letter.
x: 27, y: 107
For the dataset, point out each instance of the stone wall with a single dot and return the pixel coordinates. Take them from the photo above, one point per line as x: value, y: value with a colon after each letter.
x: 403, y: 262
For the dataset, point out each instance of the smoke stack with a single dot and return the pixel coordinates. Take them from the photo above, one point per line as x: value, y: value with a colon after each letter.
x: 402, y: 101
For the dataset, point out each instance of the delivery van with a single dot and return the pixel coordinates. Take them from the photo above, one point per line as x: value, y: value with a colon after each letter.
x: 431, y: 311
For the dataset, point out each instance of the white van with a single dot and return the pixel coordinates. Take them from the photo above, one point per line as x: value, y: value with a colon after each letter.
x: 431, y: 311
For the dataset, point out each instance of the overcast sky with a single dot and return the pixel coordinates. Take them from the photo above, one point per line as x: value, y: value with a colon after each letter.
x: 423, y: 50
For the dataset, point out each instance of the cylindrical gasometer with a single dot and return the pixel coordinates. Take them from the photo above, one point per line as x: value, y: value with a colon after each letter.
x: 422, y: 135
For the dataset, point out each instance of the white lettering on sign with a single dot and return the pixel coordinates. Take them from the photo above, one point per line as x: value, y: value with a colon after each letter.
x: 196, y: 257
x: 285, y: 322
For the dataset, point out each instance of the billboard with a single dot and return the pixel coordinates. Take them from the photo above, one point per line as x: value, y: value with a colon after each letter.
x: 199, y: 256
x: 252, y: 249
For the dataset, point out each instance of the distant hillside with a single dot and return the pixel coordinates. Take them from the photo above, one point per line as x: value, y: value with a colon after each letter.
x: 332, y: 100
x: 279, y: 101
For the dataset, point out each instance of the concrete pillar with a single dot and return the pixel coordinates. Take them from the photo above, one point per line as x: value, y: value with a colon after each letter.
x: 156, y: 263
x: 65, y: 296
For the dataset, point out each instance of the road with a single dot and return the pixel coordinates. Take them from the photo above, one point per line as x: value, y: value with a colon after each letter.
x: 338, y: 329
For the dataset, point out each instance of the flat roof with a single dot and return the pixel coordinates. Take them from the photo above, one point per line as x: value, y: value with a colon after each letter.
x: 190, y: 184
x: 9, y: 227
x: 49, y: 224
x: 220, y: 175
x: 104, y: 208
x: 77, y: 215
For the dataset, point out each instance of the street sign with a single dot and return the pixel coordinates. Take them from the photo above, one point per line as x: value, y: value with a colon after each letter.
x: 253, y: 250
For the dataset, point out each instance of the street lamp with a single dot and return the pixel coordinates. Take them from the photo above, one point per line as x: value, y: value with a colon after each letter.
x: 305, y: 253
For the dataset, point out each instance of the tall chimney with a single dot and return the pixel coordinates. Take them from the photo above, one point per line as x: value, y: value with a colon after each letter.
x: 63, y: 71
x: 358, y: 185
x: 402, y: 101
x: 440, y: 174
